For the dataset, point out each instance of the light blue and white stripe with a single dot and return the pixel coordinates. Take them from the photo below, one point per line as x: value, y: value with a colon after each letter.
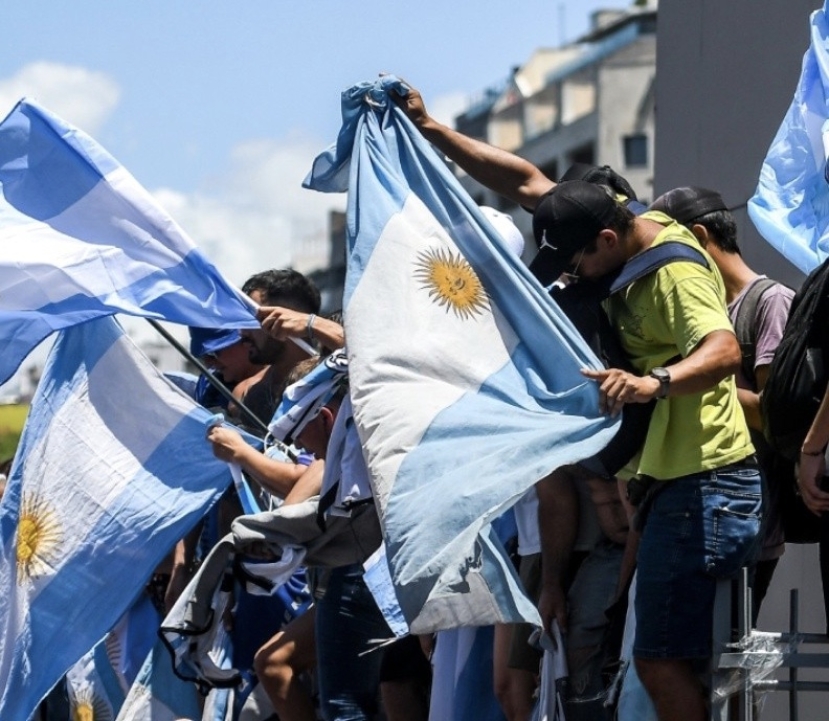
x: 113, y: 468
x: 459, y: 411
x: 80, y: 238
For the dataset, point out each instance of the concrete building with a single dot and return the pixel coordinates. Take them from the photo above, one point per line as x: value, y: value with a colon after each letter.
x: 329, y: 276
x: 726, y: 74
x: 589, y: 102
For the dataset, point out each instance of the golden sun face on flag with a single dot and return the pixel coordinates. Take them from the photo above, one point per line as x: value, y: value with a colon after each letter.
x: 38, y: 538
x: 451, y: 282
x: 87, y: 706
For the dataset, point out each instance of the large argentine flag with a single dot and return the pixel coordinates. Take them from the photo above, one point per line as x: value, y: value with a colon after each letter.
x: 113, y: 468
x: 80, y: 238
x: 791, y: 206
x: 464, y: 374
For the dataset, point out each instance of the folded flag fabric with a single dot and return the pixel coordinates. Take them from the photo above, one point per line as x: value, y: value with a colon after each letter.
x: 112, y: 469
x: 791, y: 205
x: 464, y: 373
x: 80, y: 238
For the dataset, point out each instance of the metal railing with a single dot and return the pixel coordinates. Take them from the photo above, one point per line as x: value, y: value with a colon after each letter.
x: 747, y: 662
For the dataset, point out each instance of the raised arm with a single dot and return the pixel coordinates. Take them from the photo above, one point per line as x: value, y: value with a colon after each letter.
x: 282, y: 323
x: 505, y: 173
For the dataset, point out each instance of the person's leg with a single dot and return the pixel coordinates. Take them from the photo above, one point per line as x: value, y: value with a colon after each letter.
x: 514, y: 687
x: 674, y: 688
x: 280, y: 662
x: 592, y: 592
x: 405, y: 678
x: 349, y: 632
x: 674, y: 602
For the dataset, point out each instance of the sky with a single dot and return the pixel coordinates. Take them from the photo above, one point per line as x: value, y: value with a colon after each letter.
x: 218, y: 108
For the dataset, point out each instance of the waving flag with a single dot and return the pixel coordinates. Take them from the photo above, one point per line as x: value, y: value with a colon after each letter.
x: 791, y: 206
x: 464, y: 373
x: 113, y: 468
x: 80, y: 239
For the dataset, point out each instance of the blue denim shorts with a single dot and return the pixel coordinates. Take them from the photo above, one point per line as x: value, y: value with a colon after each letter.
x: 701, y: 528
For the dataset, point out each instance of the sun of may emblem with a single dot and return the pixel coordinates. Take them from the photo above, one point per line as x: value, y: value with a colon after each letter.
x: 451, y: 282
x: 88, y: 706
x: 38, y: 538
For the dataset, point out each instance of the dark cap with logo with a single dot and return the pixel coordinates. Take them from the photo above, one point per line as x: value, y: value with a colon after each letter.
x: 687, y: 204
x: 566, y: 219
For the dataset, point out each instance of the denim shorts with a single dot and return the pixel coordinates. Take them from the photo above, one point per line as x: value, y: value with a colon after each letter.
x: 701, y: 528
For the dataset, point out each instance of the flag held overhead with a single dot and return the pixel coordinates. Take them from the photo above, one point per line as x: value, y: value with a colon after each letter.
x: 464, y: 373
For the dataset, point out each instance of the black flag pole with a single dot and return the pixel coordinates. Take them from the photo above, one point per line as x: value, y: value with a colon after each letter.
x: 214, y: 381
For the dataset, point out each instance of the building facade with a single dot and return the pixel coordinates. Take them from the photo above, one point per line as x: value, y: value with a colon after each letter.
x: 588, y: 102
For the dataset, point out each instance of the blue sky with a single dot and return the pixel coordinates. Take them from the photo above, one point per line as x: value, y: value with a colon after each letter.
x: 218, y: 108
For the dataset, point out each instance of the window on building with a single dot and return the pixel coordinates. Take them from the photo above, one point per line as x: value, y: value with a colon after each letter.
x: 636, y: 150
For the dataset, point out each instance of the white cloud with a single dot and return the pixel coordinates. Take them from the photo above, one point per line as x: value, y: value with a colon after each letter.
x: 257, y: 215
x: 82, y: 97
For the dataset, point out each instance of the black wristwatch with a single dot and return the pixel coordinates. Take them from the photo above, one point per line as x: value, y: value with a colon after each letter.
x: 663, y: 375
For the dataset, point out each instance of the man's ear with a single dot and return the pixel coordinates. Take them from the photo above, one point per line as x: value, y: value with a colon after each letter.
x: 327, y: 419
x: 701, y: 233
x: 610, y: 237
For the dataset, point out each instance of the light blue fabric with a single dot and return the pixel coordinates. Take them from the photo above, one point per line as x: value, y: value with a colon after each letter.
x: 80, y: 239
x: 462, y: 402
x: 101, y: 489
x: 791, y: 205
x: 158, y: 694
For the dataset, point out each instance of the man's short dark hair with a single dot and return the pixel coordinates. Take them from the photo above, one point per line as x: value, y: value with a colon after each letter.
x: 285, y: 286
x: 691, y: 205
x: 723, y: 230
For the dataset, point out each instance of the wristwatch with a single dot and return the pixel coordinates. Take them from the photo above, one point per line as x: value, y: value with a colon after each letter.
x: 663, y: 375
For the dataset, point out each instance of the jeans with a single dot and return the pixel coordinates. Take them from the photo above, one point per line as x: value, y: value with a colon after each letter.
x: 700, y: 528
x: 348, y: 628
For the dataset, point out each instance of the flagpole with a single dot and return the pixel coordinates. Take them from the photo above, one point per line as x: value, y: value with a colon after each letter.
x: 214, y: 381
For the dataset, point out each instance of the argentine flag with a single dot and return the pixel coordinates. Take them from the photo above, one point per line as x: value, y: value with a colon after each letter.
x: 790, y: 208
x: 112, y: 469
x: 80, y: 239
x: 464, y: 373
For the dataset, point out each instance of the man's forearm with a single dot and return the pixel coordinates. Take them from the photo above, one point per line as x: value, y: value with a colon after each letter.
x: 503, y: 172
x: 717, y: 356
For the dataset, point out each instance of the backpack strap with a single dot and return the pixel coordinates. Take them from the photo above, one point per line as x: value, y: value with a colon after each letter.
x: 745, y: 326
x: 652, y: 259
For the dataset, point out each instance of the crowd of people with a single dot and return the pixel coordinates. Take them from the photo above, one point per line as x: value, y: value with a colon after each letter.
x: 659, y: 519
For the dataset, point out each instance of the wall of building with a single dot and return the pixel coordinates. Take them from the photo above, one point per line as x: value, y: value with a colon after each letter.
x: 726, y: 74
x: 628, y: 75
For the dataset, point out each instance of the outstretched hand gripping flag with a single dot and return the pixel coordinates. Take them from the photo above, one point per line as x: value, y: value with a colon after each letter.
x: 464, y: 373
x: 791, y: 205
x: 80, y: 239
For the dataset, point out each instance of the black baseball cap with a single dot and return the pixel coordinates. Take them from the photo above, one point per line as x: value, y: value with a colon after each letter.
x: 688, y: 203
x: 566, y: 219
x: 600, y: 175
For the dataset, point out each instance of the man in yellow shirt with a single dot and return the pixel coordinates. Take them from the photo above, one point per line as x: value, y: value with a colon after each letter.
x: 703, y: 515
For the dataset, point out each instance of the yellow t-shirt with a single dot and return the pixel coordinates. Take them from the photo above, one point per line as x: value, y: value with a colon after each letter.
x: 666, y: 315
